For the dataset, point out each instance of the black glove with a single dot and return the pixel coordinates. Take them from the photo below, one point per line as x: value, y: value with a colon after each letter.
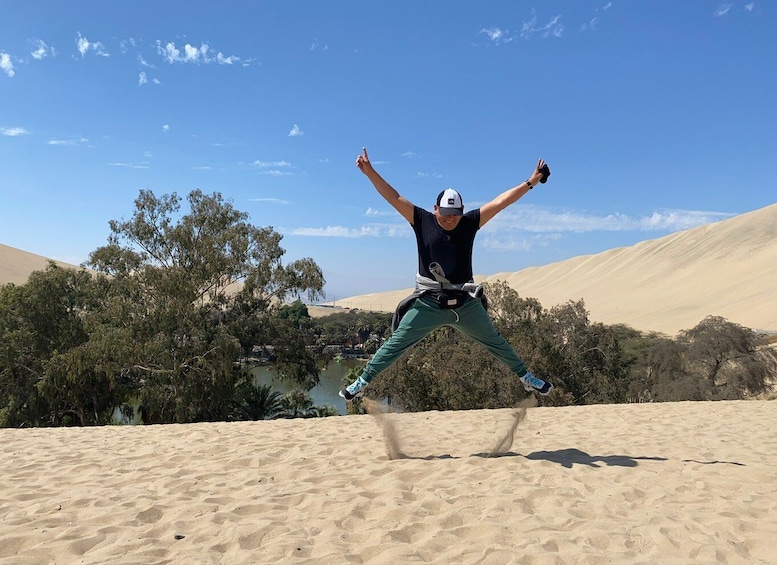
x: 545, y: 170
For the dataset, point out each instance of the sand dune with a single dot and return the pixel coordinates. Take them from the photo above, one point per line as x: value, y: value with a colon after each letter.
x: 16, y: 265
x: 727, y: 268
x: 645, y: 483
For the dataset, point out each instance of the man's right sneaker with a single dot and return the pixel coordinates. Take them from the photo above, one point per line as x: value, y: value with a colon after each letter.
x: 535, y: 384
x: 354, y: 390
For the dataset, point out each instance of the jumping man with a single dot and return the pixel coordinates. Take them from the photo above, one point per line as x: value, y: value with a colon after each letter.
x: 445, y: 293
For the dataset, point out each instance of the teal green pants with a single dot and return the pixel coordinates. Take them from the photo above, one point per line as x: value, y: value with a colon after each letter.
x: 424, y: 316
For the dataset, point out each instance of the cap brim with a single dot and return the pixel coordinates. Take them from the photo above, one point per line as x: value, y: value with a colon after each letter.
x: 450, y: 211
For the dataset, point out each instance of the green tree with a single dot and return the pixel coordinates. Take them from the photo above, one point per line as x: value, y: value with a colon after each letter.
x: 513, y: 316
x: 296, y: 312
x: 667, y: 376
x: 295, y: 359
x: 344, y: 328
x: 185, y: 285
x: 728, y: 357
x: 583, y: 359
x: 44, y: 326
x: 715, y: 360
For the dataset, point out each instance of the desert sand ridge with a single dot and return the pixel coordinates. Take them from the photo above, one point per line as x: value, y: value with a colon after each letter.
x: 727, y: 268
x: 16, y: 265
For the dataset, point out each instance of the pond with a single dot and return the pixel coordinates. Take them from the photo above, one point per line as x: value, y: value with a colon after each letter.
x: 325, y: 392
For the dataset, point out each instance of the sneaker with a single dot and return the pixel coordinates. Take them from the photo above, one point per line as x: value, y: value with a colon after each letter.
x: 534, y: 384
x: 354, y: 390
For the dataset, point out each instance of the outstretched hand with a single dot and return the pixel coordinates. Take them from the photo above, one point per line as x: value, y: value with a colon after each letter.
x: 363, y: 162
x: 543, y: 170
x: 541, y: 173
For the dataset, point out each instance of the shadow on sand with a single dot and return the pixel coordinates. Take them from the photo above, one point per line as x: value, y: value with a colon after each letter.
x: 570, y: 457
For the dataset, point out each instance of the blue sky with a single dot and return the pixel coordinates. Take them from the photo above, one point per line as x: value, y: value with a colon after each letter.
x: 654, y: 116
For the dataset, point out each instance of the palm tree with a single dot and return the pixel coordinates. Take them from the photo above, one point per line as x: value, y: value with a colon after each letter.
x: 297, y: 404
x: 259, y: 402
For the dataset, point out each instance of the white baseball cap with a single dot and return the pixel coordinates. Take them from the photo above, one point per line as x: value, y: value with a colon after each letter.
x: 449, y: 203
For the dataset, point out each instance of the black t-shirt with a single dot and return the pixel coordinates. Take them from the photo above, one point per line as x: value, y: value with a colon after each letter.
x: 452, y: 250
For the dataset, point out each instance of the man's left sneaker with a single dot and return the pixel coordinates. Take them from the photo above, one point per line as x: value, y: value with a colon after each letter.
x: 535, y: 384
x: 354, y: 390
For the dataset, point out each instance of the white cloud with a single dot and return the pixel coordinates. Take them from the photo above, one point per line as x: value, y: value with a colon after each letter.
x: 315, y: 46
x: 84, y: 46
x: 258, y: 163
x: 191, y: 54
x: 542, y: 220
x: 409, y: 154
x: 165, y: 128
x: 591, y: 25
x: 143, y: 79
x: 295, y: 131
x: 371, y: 230
x: 270, y: 200
x: 41, y: 50
x: 6, y: 64
x: 79, y: 141
x: 130, y: 165
x: 722, y: 10
x: 507, y: 231
x: 222, y: 60
x: 337, y: 231
x: 749, y: 7
x: 532, y: 28
x: 13, y: 132
x: 169, y: 52
x: 497, y: 35
x: 275, y: 172
x: 373, y: 212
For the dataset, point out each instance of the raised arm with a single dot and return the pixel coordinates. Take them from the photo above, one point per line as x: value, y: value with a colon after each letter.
x: 491, y: 209
x: 399, y: 202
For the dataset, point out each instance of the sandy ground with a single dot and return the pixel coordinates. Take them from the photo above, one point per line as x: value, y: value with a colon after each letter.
x: 641, y: 483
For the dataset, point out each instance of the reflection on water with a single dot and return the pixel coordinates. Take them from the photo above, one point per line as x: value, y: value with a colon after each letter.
x: 325, y: 393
